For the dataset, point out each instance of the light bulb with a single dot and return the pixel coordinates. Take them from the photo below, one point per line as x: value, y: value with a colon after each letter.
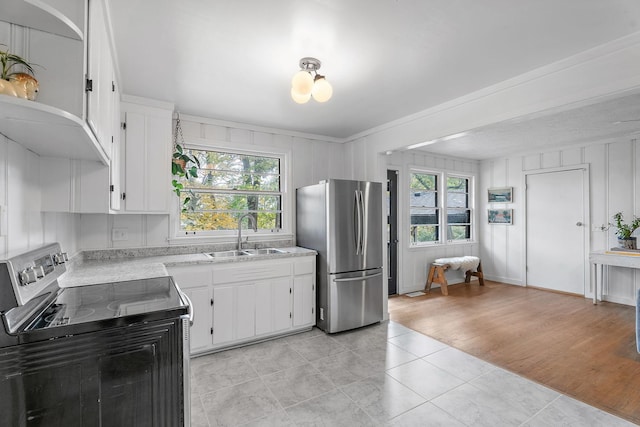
x: 300, y: 98
x: 302, y: 82
x: 322, y: 90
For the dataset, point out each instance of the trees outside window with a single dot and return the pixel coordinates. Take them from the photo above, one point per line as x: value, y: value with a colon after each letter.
x: 229, y: 185
x: 426, y: 207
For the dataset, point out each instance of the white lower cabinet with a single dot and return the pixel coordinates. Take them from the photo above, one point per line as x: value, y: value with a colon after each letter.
x: 303, y: 292
x: 273, y: 308
x: 247, y: 301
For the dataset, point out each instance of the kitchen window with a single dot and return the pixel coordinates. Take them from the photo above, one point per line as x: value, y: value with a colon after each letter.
x: 231, y: 184
x: 458, y: 209
x: 424, y: 208
x: 440, y: 201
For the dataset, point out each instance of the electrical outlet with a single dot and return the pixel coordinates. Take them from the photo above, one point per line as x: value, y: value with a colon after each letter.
x: 119, y: 234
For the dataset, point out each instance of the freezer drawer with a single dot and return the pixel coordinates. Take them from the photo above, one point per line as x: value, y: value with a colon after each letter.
x: 354, y: 300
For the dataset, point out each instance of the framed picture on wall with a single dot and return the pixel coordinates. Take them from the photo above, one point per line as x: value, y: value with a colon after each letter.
x: 500, y: 195
x: 500, y: 216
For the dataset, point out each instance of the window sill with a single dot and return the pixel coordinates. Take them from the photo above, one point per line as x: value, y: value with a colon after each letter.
x: 253, y: 238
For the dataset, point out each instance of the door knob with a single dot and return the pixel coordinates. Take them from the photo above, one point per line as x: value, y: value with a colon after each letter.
x: 579, y: 224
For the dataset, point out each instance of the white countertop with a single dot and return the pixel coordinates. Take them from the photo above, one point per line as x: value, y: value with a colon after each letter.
x: 133, y: 268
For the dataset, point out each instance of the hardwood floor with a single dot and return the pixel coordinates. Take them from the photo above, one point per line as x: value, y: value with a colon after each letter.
x: 562, y: 341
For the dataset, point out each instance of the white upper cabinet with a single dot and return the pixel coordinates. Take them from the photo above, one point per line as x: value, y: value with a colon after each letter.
x: 146, y: 182
x: 100, y: 80
x: 53, y: 34
x: 116, y: 152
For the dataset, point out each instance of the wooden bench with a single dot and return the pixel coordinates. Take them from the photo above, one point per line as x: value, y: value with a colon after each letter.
x: 436, y: 274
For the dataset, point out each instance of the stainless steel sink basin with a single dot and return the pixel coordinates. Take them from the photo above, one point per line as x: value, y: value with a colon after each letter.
x: 265, y: 251
x: 227, y: 254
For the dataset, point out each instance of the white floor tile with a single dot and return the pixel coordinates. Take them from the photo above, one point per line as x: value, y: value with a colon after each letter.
x: 565, y: 411
x: 382, y: 397
x: 418, y: 344
x: 459, y: 363
x: 386, y: 357
x: 522, y: 394
x: 424, y: 378
x: 473, y: 407
x: 426, y: 414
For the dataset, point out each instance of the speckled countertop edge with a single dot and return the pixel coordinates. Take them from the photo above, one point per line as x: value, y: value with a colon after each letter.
x: 96, y: 269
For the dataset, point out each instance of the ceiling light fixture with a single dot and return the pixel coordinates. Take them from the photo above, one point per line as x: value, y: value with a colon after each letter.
x: 305, y: 85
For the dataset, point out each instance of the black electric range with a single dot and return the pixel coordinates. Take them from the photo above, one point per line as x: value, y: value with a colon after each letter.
x: 109, y: 354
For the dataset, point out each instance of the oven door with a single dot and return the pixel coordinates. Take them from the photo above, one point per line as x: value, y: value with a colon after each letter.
x: 111, y: 378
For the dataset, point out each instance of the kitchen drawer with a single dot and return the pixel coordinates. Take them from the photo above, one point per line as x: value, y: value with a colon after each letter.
x: 191, y: 276
x: 250, y: 271
x: 304, y: 266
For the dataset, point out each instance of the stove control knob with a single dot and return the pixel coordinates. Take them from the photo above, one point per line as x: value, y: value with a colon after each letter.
x: 28, y: 276
x: 60, y: 258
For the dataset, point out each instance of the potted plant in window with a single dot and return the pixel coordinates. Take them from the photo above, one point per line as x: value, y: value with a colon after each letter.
x: 14, y: 82
x: 183, y: 166
x: 624, y: 231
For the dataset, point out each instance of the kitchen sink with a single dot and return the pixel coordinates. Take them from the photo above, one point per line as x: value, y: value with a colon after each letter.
x: 245, y: 252
x: 227, y: 254
x: 265, y: 251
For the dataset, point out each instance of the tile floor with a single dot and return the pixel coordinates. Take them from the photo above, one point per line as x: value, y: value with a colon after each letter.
x: 384, y: 375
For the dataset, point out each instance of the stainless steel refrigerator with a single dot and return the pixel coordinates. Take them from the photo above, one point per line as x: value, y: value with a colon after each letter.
x: 342, y: 221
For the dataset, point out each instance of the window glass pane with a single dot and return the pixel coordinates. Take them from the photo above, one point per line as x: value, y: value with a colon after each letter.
x: 236, y: 162
x: 458, y: 185
x: 424, y: 234
x: 459, y: 232
x: 424, y: 216
x: 457, y: 200
x: 229, y: 185
x: 422, y: 181
x: 458, y: 216
x: 232, y: 202
x: 425, y: 198
x: 232, y: 180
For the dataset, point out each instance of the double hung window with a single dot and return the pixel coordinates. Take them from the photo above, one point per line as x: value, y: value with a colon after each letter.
x: 439, y: 201
x: 228, y: 185
x: 424, y: 208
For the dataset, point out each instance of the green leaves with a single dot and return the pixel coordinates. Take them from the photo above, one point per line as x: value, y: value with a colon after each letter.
x: 183, y: 165
x: 624, y: 231
x: 10, y: 60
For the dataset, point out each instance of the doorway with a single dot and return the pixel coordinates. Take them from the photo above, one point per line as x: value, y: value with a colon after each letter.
x: 392, y: 230
x: 557, y: 231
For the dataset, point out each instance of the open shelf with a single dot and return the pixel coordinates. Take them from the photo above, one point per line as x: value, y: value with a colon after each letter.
x: 41, y: 16
x: 48, y: 131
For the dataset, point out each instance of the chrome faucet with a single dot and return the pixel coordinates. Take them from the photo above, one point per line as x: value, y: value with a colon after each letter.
x: 252, y: 220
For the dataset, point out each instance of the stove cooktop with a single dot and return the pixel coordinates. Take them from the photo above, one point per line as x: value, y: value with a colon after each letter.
x: 84, y: 308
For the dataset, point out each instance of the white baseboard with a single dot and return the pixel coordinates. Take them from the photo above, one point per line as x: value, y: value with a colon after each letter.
x: 507, y: 280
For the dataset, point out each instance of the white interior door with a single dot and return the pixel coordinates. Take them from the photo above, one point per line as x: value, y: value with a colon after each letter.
x: 556, y: 230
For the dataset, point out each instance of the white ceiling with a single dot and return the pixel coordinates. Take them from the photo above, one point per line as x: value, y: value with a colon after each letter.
x: 386, y: 59
x: 607, y: 120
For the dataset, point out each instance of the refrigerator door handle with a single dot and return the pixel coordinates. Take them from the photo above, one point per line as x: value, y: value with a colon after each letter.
x: 357, y: 222
x: 362, y: 222
x: 354, y: 279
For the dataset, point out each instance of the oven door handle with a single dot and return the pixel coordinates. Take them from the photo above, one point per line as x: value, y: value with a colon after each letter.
x: 189, y: 308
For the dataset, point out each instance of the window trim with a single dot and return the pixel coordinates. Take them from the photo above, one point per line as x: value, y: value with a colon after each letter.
x: 442, y: 176
x: 178, y: 236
